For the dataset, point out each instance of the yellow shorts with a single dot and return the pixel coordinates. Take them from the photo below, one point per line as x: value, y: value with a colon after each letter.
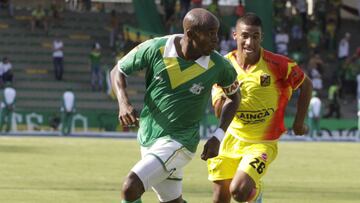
x: 252, y: 158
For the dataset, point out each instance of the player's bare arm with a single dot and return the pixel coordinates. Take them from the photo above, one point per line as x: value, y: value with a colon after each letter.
x: 229, y: 110
x: 299, y: 127
x: 218, y: 105
x: 211, y: 147
x: 127, y: 113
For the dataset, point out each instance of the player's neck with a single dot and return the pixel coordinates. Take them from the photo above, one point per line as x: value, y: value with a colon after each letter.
x: 245, y: 61
x: 185, y: 50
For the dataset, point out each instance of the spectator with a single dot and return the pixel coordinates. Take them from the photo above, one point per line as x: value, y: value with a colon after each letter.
x: 169, y: 8
x: 358, y: 86
x: 87, y: 5
x: 225, y: 45
x: 330, y: 29
x: 114, y: 28
x: 336, y: 6
x: 296, y: 31
x: 356, y: 59
x: 279, y: 6
x: 282, y: 41
x: 173, y: 25
x: 184, y: 8
x: 315, y: 62
x: 38, y: 18
x: 334, y: 101
x: 120, y: 45
x: 56, y: 19
x: 58, y: 57
x: 96, y: 74
x: 348, y: 76
x: 7, y: 4
x: 73, y: 4
x: 314, y: 115
x: 6, y: 71
x: 7, y: 108
x: 315, y: 69
x: 239, y: 9
x: 67, y: 111
x: 196, y: 4
x: 301, y: 7
x: 316, y: 79
x: 314, y: 38
x: 344, y: 48
x: 321, y: 8
x: 288, y: 10
x: 214, y: 8
x: 298, y: 55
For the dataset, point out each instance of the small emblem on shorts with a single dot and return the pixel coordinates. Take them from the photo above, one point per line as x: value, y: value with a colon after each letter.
x: 172, y: 171
x: 265, y: 79
x: 196, y: 88
x: 264, y: 156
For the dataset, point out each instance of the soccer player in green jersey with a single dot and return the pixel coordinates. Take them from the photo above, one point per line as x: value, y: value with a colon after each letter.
x: 180, y: 72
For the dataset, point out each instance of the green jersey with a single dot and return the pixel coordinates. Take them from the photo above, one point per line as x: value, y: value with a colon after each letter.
x: 177, y: 90
x: 95, y: 57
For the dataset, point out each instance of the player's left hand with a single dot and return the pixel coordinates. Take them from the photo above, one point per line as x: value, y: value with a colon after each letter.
x: 211, y: 148
x: 300, y: 129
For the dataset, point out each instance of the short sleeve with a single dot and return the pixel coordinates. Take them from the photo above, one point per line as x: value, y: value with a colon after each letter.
x: 228, y: 82
x: 136, y: 60
x: 295, y: 76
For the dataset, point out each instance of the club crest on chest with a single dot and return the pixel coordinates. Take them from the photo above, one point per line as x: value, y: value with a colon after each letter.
x: 196, y: 88
x: 265, y: 79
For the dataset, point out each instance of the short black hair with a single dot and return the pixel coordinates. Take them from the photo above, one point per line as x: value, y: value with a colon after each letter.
x: 250, y: 19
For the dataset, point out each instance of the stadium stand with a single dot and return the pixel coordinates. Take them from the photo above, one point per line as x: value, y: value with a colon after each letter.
x: 31, y: 55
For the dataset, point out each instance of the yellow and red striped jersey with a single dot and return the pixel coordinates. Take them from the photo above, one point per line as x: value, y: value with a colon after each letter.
x: 266, y: 88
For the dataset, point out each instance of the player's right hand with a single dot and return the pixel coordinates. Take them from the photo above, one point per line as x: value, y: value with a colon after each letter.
x: 211, y: 149
x: 128, y: 116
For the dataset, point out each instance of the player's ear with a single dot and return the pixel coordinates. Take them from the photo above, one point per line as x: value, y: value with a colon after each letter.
x: 191, y: 34
x: 234, y: 35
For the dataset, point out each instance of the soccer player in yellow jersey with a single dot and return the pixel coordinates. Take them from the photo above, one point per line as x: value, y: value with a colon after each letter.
x: 250, y: 144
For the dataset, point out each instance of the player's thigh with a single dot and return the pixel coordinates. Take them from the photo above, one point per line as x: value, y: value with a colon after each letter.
x: 174, y: 158
x: 255, y: 163
x: 169, y: 189
x: 221, y: 168
x: 150, y: 171
x: 163, y: 160
x: 224, y: 166
x: 170, y: 153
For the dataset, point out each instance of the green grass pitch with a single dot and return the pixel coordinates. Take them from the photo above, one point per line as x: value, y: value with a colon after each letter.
x: 91, y: 170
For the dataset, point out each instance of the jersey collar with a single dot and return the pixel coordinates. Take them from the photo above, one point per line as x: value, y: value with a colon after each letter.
x: 170, y: 52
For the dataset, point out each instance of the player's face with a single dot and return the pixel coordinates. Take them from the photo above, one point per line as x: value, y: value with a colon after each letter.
x: 248, y: 39
x: 206, y: 40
